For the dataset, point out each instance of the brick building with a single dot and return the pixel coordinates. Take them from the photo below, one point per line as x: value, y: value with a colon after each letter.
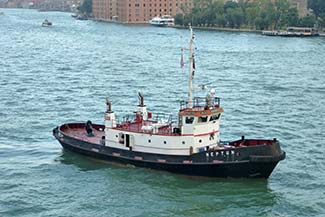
x: 17, y: 3
x: 45, y: 5
x: 137, y: 11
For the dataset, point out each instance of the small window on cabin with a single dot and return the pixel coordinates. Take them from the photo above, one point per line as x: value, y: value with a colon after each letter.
x: 215, y: 117
x: 189, y: 120
x: 203, y: 119
x: 121, y: 138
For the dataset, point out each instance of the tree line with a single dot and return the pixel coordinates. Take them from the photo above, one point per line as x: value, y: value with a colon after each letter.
x: 318, y: 8
x: 259, y: 15
x: 86, y: 7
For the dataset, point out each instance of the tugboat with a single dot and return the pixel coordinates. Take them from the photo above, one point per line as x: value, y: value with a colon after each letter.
x: 189, y: 145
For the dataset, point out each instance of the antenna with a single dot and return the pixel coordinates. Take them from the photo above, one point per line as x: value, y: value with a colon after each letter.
x: 191, y: 72
x: 141, y: 99
x: 108, y: 105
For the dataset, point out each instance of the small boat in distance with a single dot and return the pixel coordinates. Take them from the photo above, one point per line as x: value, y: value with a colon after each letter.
x: 293, y: 32
x: 165, y: 20
x: 187, y: 144
x: 46, y: 23
x: 82, y: 17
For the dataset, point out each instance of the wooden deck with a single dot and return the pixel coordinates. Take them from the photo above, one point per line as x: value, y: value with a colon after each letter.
x: 78, y: 131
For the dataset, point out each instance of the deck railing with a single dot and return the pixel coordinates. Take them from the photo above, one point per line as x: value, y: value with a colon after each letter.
x: 200, y: 102
x: 155, y: 117
x: 163, y: 118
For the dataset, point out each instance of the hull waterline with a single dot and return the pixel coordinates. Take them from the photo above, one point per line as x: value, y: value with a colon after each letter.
x: 254, y: 166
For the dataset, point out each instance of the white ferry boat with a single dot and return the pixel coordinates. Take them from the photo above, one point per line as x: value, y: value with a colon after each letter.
x: 165, y: 20
x: 293, y: 32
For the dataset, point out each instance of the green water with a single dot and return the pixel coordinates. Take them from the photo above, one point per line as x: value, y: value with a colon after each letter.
x: 270, y: 87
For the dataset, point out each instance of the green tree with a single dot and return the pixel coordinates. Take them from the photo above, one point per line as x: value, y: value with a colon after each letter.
x: 266, y: 18
x: 221, y: 20
x: 281, y: 10
x: 179, y: 19
x: 235, y: 17
x: 259, y: 23
x: 251, y: 15
x: 230, y: 5
x: 293, y: 17
x: 318, y: 6
x: 86, y: 7
x: 307, y: 21
x: 261, y: 14
x: 262, y: 22
x: 270, y: 16
x: 322, y: 19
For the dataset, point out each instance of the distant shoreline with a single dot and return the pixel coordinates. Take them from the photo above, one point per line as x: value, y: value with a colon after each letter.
x: 219, y: 29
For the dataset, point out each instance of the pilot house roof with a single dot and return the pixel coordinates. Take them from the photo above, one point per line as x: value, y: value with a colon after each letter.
x: 202, y: 106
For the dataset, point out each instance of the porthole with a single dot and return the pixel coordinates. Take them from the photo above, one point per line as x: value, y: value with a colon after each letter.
x: 149, y: 140
x: 116, y: 136
x: 200, y: 141
x: 165, y: 142
x: 183, y: 142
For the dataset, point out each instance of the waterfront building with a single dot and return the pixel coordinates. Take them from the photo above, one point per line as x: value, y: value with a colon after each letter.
x: 43, y: 5
x: 18, y: 3
x: 137, y: 11
x: 53, y: 5
x: 3, y: 4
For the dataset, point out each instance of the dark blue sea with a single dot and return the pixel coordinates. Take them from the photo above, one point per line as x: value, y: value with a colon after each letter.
x: 270, y: 88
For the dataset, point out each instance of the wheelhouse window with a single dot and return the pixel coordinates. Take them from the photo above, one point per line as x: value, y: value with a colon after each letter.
x: 203, y: 119
x: 189, y: 120
x: 215, y: 117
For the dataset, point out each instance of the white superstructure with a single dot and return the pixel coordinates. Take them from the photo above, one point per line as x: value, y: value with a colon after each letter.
x: 165, y: 20
x: 196, y: 128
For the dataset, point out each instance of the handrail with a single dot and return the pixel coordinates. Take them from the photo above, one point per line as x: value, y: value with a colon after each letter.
x: 200, y: 102
x: 156, y: 117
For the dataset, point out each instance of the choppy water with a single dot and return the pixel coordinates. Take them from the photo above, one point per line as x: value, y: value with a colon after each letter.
x: 271, y: 87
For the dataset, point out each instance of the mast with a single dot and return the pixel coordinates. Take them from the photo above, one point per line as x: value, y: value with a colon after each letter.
x: 190, y: 77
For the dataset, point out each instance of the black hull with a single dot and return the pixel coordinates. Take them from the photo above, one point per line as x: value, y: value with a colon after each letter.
x: 249, y: 166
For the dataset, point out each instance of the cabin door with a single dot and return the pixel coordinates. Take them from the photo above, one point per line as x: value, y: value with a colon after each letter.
x: 127, y: 140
